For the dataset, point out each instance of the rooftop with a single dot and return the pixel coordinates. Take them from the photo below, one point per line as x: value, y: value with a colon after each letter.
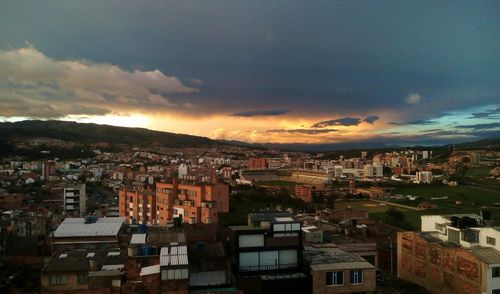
x: 486, y: 254
x: 269, y: 216
x: 174, y: 255
x: 76, y: 227
x: 138, y: 239
x: 79, y: 261
x: 334, y: 258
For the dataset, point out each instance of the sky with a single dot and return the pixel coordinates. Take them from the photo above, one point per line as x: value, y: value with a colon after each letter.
x: 258, y: 71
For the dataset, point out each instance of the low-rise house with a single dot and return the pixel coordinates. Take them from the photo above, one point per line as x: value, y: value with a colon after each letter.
x: 90, y: 232
x: 83, y: 271
x: 336, y: 271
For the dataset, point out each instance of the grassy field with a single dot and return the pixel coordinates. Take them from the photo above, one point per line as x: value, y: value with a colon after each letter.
x: 478, y: 171
x: 471, y: 196
x: 277, y: 183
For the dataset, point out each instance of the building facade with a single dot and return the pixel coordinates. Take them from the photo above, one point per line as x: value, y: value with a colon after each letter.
x: 75, y: 200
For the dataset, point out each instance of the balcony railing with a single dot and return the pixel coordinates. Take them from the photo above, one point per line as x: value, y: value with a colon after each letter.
x: 256, y: 268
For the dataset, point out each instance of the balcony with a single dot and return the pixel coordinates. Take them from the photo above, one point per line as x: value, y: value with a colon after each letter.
x: 208, y: 204
x: 257, y: 268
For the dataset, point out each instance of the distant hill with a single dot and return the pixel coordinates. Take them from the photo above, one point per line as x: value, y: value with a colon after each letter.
x: 88, y: 133
x: 486, y: 144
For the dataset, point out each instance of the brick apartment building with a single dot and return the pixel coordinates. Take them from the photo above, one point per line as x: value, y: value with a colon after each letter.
x: 137, y: 206
x: 257, y: 163
x: 191, y: 202
x: 306, y: 192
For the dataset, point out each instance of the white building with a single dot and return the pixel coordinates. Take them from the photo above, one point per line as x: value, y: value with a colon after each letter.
x: 371, y: 171
x: 75, y: 200
x: 459, y: 229
x: 182, y: 171
x: 423, y: 177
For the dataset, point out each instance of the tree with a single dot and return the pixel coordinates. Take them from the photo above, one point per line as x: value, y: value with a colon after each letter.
x: 394, y: 216
x: 330, y: 201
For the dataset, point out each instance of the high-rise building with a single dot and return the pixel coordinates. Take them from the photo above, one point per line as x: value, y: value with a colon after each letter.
x: 257, y: 163
x: 191, y: 202
x: 75, y: 200
x: 423, y: 177
x: 137, y: 206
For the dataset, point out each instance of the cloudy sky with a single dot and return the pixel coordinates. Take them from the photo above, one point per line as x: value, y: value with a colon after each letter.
x: 258, y: 71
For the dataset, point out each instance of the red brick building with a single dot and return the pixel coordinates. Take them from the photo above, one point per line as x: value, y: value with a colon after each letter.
x: 257, y: 163
x: 193, y: 203
x: 137, y: 206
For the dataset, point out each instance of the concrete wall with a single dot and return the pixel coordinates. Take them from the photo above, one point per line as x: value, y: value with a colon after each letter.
x: 438, y: 268
x: 320, y: 287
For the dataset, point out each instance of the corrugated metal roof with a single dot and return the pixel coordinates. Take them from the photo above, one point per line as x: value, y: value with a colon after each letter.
x: 76, y: 227
x: 283, y: 219
x: 164, y: 258
x: 486, y: 254
x: 175, y: 255
x: 149, y: 270
x: 138, y: 239
x: 112, y: 267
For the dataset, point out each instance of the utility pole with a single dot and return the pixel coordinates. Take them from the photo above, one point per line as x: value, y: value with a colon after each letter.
x: 392, y: 268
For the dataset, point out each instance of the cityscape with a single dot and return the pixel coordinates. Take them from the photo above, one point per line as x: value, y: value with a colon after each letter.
x: 249, y: 147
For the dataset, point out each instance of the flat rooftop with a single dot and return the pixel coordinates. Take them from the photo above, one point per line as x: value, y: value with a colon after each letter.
x: 334, y: 258
x: 486, y: 254
x: 76, y: 227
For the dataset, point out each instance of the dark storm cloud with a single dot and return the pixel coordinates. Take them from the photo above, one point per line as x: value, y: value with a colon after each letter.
x: 430, y: 131
x: 480, y: 126
x: 345, y: 121
x: 487, y: 113
x: 347, y: 56
x: 271, y: 112
x: 303, y: 131
x: 413, y: 122
x: 371, y: 119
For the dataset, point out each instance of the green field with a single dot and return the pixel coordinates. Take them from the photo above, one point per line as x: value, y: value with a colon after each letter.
x: 277, y: 183
x: 478, y: 171
x: 471, y: 196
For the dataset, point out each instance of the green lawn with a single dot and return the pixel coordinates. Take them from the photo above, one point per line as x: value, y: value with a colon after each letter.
x: 468, y: 194
x: 277, y: 183
x: 478, y: 171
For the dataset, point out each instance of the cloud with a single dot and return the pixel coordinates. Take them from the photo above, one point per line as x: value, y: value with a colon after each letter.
x: 480, y: 126
x: 413, y: 99
x: 430, y: 131
x: 271, y: 112
x: 195, y: 81
x: 302, y: 131
x: 34, y: 85
x: 486, y: 113
x: 413, y: 122
x: 345, y: 121
x: 371, y: 119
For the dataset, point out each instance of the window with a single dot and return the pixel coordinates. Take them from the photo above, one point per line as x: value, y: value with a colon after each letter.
x: 131, y: 200
x: 356, y: 277
x: 82, y: 279
x: 495, y: 272
x: 58, y: 280
x: 334, y: 278
x: 491, y: 241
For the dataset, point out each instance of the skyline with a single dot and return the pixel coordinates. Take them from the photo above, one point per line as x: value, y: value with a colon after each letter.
x: 258, y: 72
